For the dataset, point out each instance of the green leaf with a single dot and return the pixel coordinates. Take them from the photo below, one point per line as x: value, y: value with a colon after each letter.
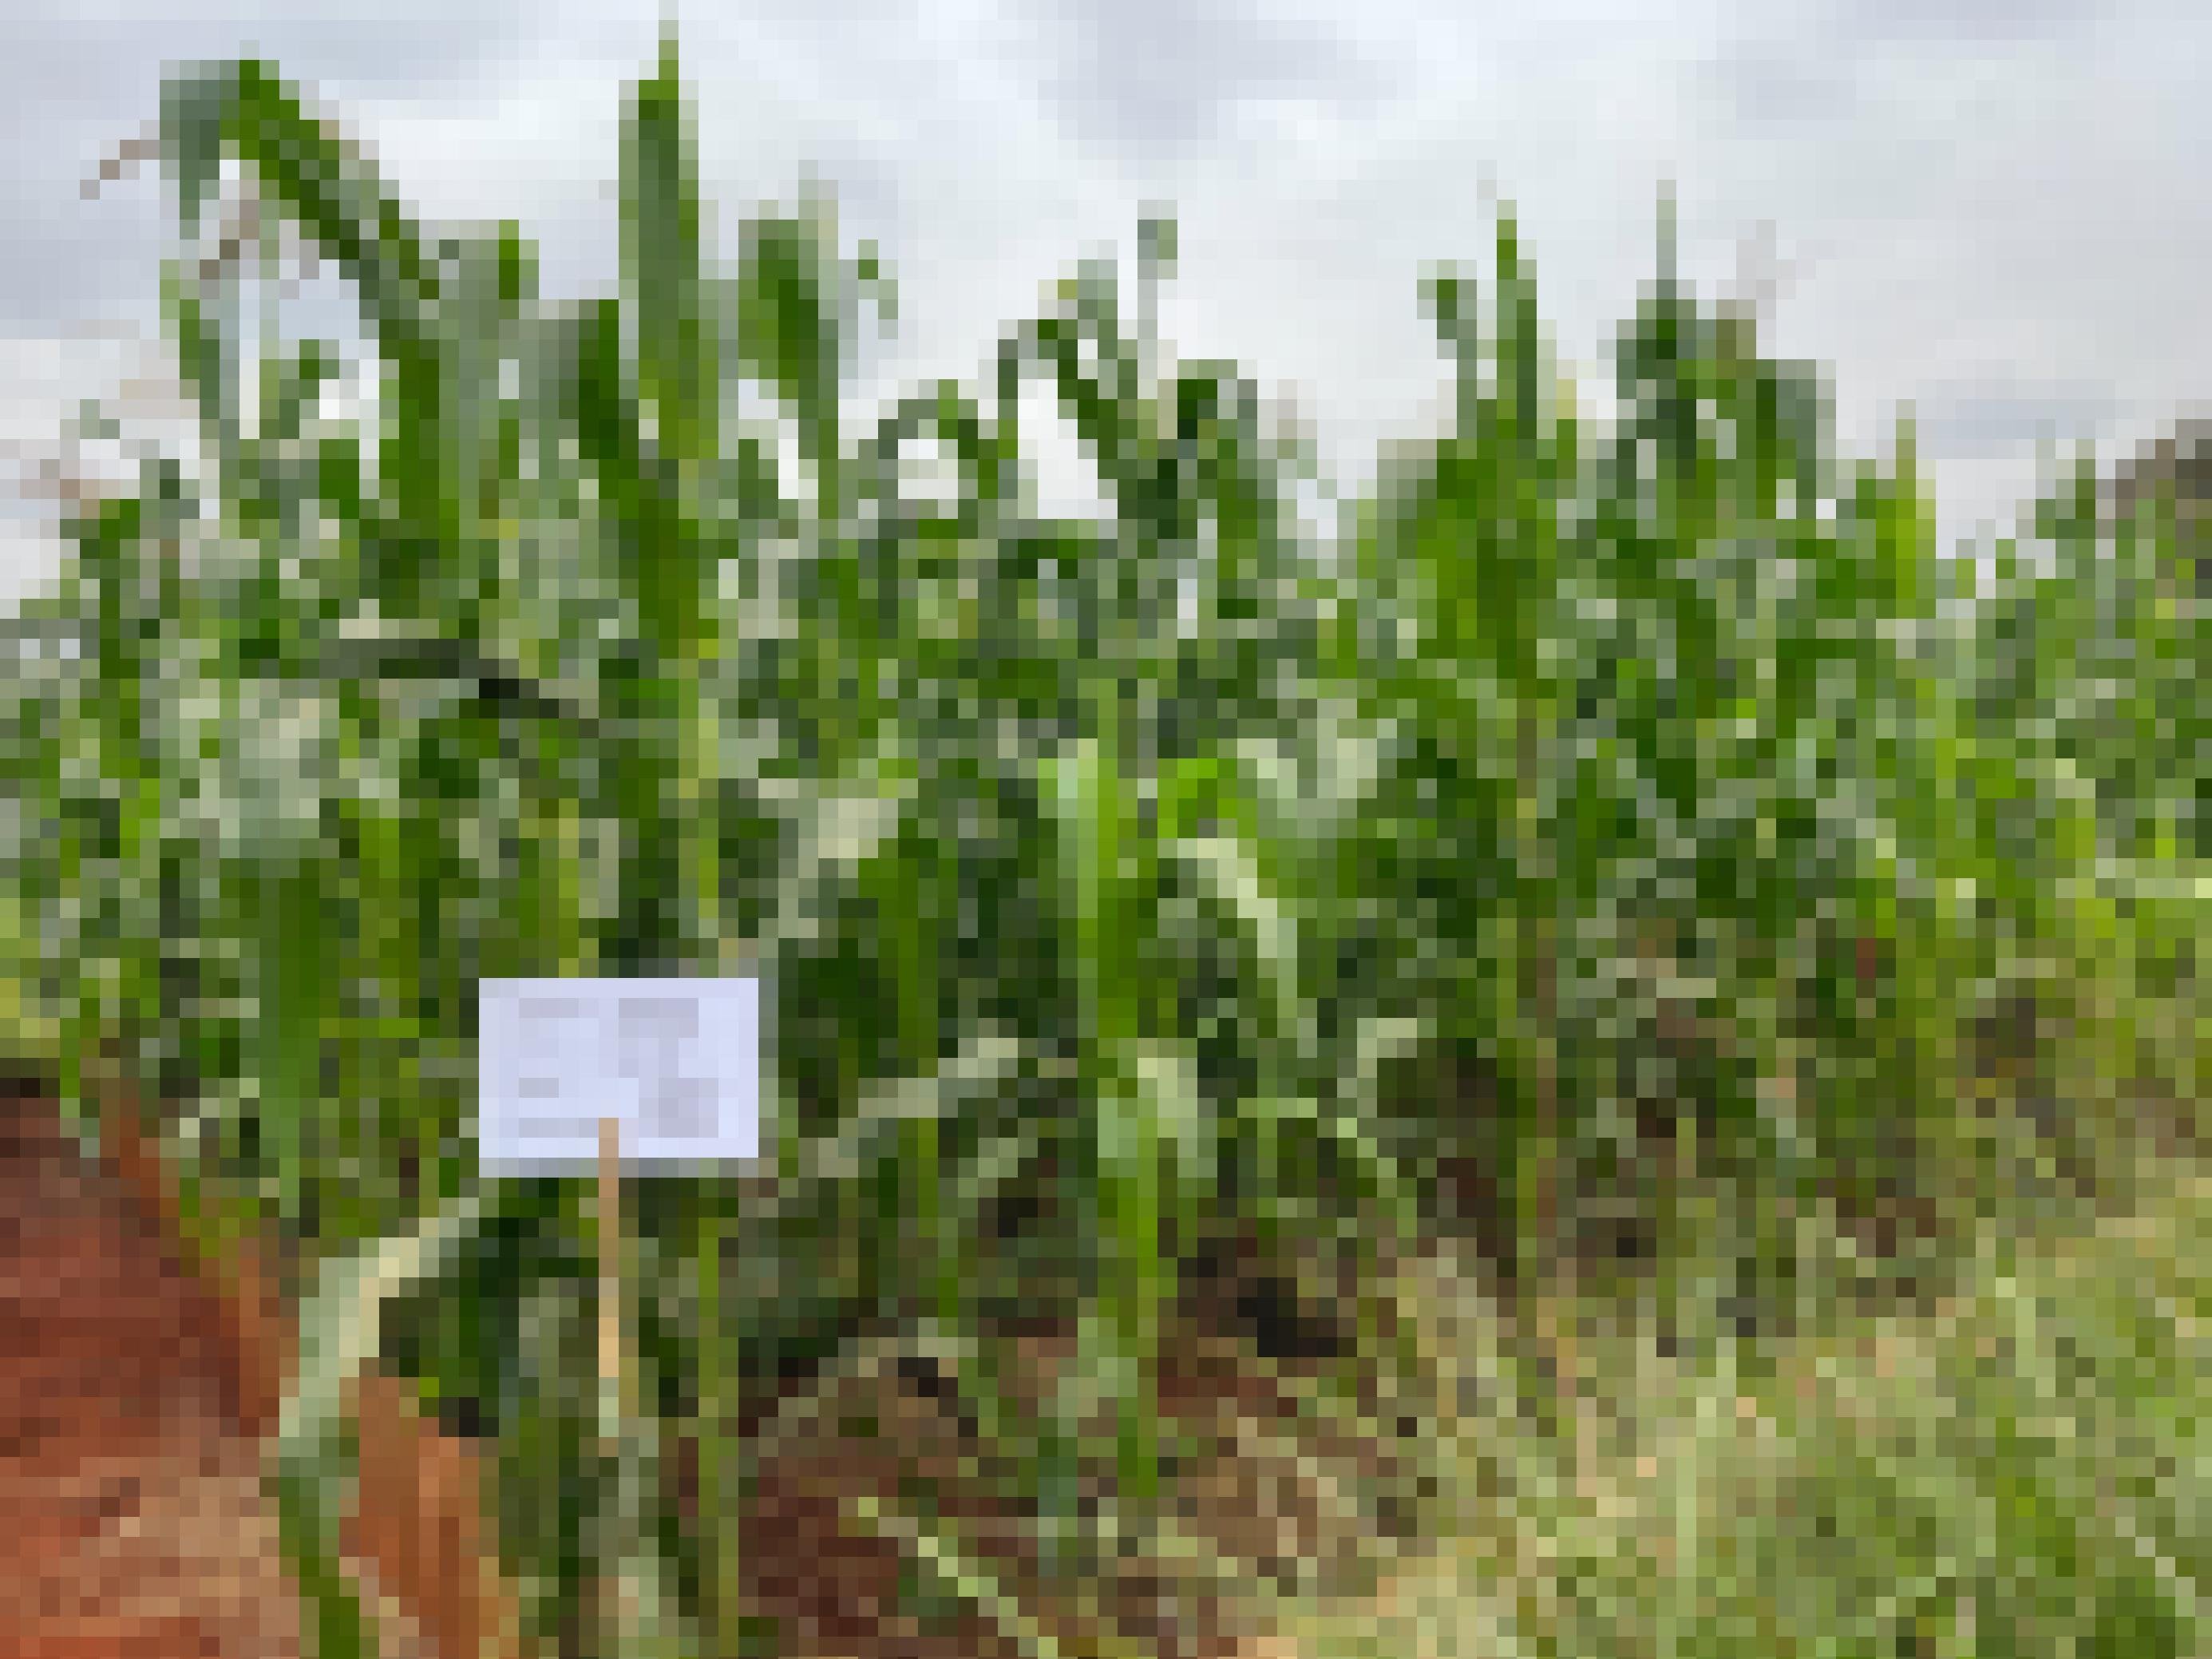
x: 679, y: 385
x: 340, y: 1323
x: 192, y: 108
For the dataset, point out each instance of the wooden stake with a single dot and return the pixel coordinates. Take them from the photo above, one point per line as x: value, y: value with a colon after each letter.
x: 613, y: 1417
x: 610, y: 1366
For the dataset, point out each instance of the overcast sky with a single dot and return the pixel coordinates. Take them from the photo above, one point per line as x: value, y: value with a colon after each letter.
x: 1990, y: 210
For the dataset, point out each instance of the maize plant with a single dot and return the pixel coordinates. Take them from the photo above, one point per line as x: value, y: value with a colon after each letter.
x: 1610, y: 791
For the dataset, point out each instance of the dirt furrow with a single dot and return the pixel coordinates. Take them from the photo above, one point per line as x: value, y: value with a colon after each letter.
x: 131, y: 1500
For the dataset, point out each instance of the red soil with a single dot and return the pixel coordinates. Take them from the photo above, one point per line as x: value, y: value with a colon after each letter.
x: 130, y: 1502
x: 136, y: 1394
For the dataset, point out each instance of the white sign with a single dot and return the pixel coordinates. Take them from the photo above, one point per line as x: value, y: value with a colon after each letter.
x: 676, y: 1062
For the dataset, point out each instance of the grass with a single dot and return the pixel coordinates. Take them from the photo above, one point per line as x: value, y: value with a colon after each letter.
x: 2013, y: 1467
x: 1643, y: 819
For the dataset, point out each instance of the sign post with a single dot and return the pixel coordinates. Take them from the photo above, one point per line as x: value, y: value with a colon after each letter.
x: 617, y: 1598
x: 611, y: 1356
x: 588, y: 1075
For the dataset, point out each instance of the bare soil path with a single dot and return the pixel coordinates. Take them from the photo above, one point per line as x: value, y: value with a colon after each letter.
x: 132, y: 1520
